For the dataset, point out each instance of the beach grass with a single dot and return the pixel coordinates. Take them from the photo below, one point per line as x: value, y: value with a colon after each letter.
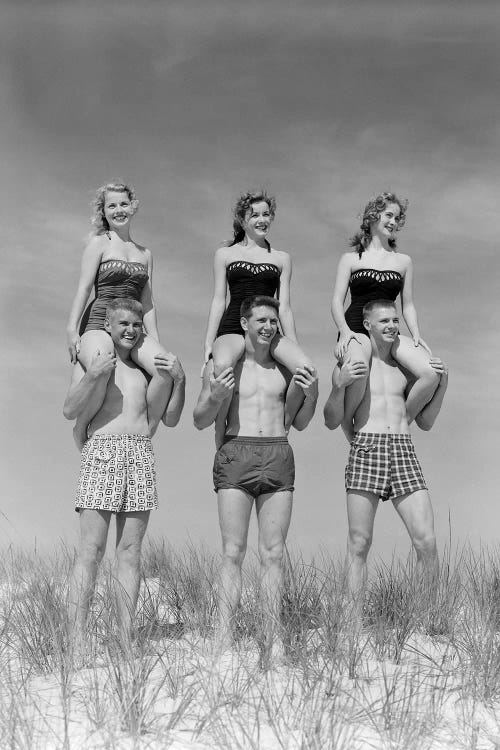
x: 422, y: 672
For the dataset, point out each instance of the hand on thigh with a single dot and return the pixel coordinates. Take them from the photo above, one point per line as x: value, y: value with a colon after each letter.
x: 226, y: 351
x: 92, y: 342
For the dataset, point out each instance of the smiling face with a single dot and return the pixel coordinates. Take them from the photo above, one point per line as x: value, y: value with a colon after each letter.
x: 124, y: 327
x: 382, y: 323
x: 388, y: 222
x: 118, y: 209
x: 261, y: 325
x: 258, y: 220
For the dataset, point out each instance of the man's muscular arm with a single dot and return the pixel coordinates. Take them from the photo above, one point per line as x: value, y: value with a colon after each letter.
x: 342, y: 376
x: 83, y: 383
x: 429, y: 413
x: 305, y: 378
x: 213, y: 392
x: 166, y: 365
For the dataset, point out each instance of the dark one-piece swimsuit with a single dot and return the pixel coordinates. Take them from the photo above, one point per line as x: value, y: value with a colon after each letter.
x: 246, y: 279
x: 114, y: 278
x: 366, y: 285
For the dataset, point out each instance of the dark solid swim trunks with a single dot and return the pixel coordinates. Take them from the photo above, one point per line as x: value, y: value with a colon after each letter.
x: 385, y: 464
x: 254, y: 465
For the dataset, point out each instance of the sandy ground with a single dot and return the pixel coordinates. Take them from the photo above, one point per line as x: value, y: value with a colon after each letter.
x: 174, y: 691
x: 228, y: 701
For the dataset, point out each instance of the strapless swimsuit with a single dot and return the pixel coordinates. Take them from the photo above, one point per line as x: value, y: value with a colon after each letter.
x: 366, y: 285
x: 246, y: 279
x: 114, y: 278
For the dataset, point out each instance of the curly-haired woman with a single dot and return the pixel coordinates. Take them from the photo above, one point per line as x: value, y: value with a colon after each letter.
x: 374, y: 269
x: 115, y: 266
x: 247, y: 265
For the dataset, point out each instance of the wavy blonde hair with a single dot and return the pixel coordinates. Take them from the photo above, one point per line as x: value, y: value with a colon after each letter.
x: 371, y: 214
x: 98, y: 220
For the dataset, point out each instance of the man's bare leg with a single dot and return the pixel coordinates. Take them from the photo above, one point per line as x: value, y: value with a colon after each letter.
x: 274, y: 511
x: 94, y: 525
x: 130, y: 530
x: 235, y: 507
x: 361, y: 509
x: 415, y: 510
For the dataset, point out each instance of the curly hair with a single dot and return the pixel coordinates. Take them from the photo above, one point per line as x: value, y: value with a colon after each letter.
x: 98, y: 220
x: 243, y: 205
x: 371, y: 214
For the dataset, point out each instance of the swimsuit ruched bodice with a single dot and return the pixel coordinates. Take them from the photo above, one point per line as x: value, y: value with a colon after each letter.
x: 114, y: 278
x: 246, y: 279
x: 366, y: 285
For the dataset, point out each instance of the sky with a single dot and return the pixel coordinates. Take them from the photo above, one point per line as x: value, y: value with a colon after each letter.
x: 323, y: 103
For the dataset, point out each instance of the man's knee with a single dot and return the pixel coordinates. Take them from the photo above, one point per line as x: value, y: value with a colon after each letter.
x: 233, y: 551
x: 425, y: 543
x: 91, y: 552
x: 359, y: 543
x: 129, y: 553
x: 271, y: 555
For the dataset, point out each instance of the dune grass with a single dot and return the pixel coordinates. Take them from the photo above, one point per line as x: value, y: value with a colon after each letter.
x: 423, y: 672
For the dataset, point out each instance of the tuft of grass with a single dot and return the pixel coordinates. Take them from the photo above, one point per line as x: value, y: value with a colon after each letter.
x: 420, y: 670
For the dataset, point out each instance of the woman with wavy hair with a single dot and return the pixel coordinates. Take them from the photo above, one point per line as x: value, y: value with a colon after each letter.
x: 247, y: 266
x: 115, y: 266
x: 374, y: 269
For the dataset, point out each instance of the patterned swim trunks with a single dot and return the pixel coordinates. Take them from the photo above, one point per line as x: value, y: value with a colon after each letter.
x: 117, y: 473
x: 254, y: 465
x: 385, y: 464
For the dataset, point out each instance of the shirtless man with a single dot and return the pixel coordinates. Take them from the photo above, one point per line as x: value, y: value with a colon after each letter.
x: 255, y: 461
x: 117, y: 473
x: 382, y: 462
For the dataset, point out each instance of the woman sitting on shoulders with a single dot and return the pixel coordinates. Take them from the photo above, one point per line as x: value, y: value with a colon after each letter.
x: 249, y: 266
x: 115, y: 266
x: 374, y: 269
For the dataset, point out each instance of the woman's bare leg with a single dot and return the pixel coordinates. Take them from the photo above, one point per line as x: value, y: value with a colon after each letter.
x: 91, y: 342
x: 226, y: 351
x: 289, y: 354
x: 415, y: 359
x: 356, y: 352
x: 143, y: 354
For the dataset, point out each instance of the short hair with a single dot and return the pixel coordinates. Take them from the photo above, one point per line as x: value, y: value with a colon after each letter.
x: 372, y: 212
x: 243, y: 205
x: 98, y: 220
x: 259, y: 300
x: 124, y: 303
x: 375, y: 304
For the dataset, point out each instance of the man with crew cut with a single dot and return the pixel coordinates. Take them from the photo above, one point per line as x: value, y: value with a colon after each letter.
x: 382, y: 462
x: 255, y: 462
x: 117, y: 471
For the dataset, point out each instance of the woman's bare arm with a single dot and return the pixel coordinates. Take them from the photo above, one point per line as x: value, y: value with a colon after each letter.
x: 218, y: 304
x: 91, y: 259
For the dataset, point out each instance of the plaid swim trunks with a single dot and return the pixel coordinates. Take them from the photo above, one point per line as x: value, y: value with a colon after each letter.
x: 255, y: 465
x: 117, y: 473
x: 385, y: 464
